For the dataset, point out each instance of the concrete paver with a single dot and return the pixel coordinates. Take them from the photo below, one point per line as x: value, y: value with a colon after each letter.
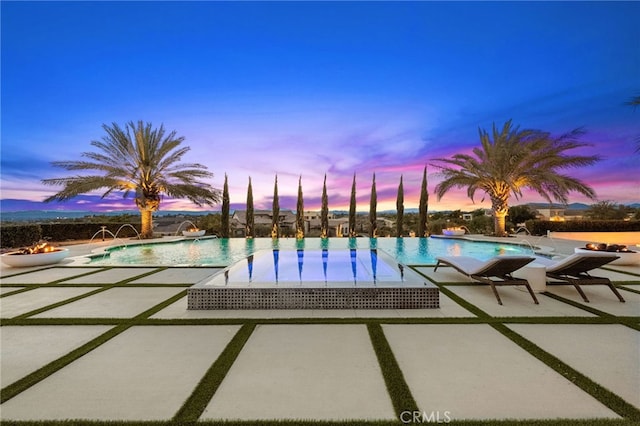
x: 473, y: 372
x: 617, y: 273
x: 515, y: 303
x: 146, y: 373
x: 443, y: 274
x: 43, y: 276
x: 607, y: 353
x: 25, y: 349
x: 21, y: 303
x: 322, y: 372
x: 6, y: 271
x: 602, y: 298
x: 177, y: 276
x: 119, y: 302
x: 307, y: 371
x: 632, y: 269
x: 110, y: 276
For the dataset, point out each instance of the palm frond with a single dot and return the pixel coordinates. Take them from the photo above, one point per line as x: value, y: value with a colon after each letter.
x: 140, y: 159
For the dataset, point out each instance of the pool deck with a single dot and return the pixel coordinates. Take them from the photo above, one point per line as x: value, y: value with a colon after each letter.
x: 117, y: 343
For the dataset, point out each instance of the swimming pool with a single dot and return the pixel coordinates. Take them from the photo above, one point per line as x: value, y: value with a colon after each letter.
x: 223, y: 252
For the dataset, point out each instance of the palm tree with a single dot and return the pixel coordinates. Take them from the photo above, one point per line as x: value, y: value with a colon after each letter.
x: 510, y: 160
x: 140, y: 160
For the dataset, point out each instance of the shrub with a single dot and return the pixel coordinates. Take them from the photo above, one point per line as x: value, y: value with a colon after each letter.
x: 25, y: 235
x: 20, y: 235
x: 540, y: 227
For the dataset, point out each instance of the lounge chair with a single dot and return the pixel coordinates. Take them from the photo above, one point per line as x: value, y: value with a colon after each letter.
x: 574, y: 270
x: 499, y: 268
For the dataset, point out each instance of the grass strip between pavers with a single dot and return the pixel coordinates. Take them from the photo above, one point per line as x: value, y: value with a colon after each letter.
x: 40, y: 374
x: 32, y: 286
x: 18, y: 291
x: 140, y: 321
x: 160, y: 306
x: 460, y: 301
x: 630, y: 290
x: 630, y: 322
x: 602, y: 394
x: 195, y: 405
x: 397, y: 387
x: 103, y: 288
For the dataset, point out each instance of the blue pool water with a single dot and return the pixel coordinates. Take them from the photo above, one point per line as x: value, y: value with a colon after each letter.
x: 224, y: 252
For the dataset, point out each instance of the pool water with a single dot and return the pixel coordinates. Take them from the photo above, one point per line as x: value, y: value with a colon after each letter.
x: 223, y: 252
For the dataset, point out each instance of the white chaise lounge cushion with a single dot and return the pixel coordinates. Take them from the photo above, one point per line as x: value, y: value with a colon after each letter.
x: 473, y: 266
x: 561, y: 265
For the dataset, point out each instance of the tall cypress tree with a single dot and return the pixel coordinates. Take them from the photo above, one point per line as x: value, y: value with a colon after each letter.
x: 250, y: 229
x: 373, y: 204
x: 352, y: 209
x: 300, y: 212
x: 400, y: 210
x: 423, y: 229
x: 324, y: 211
x: 224, y: 219
x: 275, y: 210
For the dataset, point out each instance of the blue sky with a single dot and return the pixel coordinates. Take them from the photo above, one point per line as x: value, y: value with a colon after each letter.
x: 304, y: 88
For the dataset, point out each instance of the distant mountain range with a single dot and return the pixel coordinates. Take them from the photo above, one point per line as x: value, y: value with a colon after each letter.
x: 36, y: 214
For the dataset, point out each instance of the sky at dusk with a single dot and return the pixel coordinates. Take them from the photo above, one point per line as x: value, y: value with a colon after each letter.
x: 304, y: 89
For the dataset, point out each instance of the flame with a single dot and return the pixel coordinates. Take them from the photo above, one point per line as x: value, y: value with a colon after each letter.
x: 40, y: 247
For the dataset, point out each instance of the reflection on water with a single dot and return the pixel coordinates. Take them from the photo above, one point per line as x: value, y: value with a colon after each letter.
x: 276, y: 261
x: 250, y: 266
x: 374, y: 262
x: 325, y: 262
x: 454, y: 250
x: 400, y: 246
x: 423, y: 247
x: 300, y: 262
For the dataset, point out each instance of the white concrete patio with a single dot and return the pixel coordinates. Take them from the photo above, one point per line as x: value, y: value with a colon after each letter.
x: 316, y: 371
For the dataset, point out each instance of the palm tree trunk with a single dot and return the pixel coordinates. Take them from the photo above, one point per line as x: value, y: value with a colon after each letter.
x: 500, y: 207
x: 146, y: 216
x: 147, y: 206
x: 499, y: 224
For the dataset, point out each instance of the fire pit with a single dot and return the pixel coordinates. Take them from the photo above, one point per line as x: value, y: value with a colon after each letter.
x: 453, y: 232
x: 37, y: 255
x: 627, y: 257
x: 193, y: 232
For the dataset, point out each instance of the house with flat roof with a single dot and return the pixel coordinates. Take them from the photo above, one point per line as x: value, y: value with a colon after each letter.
x: 263, y: 218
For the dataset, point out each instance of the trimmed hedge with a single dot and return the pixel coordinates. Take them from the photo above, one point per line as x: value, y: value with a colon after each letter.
x: 540, y: 227
x: 14, y: 236
x: 19, y: 235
